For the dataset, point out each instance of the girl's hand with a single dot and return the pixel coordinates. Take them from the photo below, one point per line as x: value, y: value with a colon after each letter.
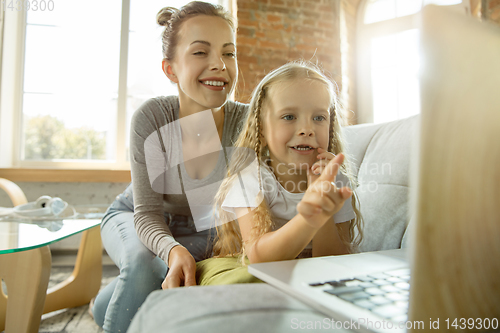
x: 181, y: 269
x: 324, y: 157
x: 323, y: 199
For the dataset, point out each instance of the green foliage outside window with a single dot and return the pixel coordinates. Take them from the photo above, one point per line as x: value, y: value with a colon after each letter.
x: 47, y: 138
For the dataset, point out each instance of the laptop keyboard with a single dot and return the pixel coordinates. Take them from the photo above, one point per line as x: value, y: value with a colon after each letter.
x: 385, y: 294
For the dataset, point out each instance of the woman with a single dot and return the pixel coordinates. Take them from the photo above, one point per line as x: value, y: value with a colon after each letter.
x: 149, y: 231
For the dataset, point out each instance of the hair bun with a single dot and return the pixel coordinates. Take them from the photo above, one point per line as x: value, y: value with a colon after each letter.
x: 165, y: 14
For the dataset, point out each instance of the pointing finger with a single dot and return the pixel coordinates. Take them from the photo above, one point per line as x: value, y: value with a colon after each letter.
x: 324, y: 154
x: 332, y: 168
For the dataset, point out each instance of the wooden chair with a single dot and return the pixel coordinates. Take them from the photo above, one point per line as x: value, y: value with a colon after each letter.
x: 14, y: 192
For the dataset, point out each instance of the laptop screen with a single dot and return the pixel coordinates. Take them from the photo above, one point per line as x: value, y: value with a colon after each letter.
x: 457, y: 237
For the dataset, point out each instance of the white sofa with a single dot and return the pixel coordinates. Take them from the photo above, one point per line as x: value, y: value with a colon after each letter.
x: 382, y: 158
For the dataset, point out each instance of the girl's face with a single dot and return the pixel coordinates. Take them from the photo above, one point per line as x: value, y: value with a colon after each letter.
x: 296, y: 123
x: 204, y: 66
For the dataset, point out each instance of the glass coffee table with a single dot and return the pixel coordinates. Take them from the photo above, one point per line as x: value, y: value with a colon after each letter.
x: 25, y: 263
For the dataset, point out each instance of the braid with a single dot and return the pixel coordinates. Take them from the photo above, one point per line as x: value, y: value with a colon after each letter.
x: 332, y: 146
x: 331, y: 141
x: 262, y: 217
x: 336, y: 145
x: 258, y: 127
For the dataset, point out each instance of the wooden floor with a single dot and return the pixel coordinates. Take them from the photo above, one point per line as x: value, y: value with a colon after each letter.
x: 75, y: 320
x: 69, y: 321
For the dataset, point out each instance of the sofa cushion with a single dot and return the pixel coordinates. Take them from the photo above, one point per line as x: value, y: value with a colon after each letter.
x: 220, y: 309
x: 381, y: 155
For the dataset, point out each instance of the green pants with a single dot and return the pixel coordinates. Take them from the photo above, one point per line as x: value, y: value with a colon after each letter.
x: 217, y: 271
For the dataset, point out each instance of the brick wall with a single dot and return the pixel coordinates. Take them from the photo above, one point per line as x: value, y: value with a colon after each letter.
x: 272, y: 32
x: 348, y: 23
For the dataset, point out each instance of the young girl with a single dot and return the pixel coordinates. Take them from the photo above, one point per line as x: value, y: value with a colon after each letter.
x: 149, y: 231
x: 294, y: 130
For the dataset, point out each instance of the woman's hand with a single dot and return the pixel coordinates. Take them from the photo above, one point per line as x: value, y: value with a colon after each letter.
x: 323, y: 199
x: 181, y: 269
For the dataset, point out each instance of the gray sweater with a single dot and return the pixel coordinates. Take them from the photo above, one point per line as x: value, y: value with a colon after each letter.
x: 150, y: 205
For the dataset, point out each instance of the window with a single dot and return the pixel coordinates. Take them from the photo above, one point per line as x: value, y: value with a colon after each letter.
x: 72, y: 76
x: 388, y: 57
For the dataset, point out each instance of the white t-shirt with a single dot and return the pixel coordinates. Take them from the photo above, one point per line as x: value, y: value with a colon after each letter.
x: 283, y: 204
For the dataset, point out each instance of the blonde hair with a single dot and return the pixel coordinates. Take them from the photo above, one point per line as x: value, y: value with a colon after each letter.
x: 172, y: 18
x: 229, y: 240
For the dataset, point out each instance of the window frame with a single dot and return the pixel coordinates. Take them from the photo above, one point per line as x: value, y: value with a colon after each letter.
x: 365, y: 33
x: 12, y: 59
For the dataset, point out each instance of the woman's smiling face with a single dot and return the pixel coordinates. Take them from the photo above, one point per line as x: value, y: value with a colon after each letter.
x: 204, y: 66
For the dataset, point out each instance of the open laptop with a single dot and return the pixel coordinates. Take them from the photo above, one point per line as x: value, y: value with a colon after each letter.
x: 455, y: 249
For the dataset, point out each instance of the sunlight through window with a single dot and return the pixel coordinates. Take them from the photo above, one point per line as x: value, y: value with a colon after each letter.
x: 389, y: 58
x: 70, y: 96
